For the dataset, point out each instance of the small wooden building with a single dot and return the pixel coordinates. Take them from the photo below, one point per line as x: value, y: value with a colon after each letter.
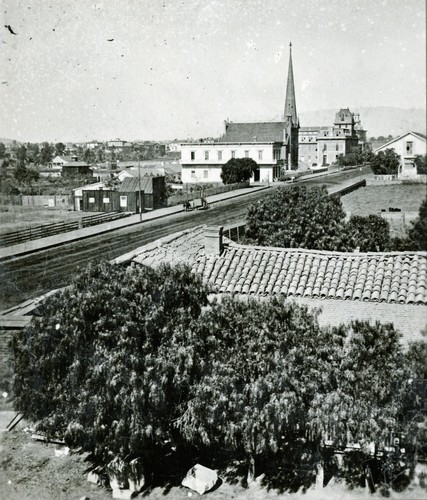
x: 106, y: 200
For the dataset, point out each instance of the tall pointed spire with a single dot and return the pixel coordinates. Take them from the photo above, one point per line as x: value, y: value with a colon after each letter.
x: 290, y: 101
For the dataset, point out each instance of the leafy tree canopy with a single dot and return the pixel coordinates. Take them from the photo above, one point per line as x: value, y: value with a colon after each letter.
x: 417, y: 235
x: 89, y: 156
x: 421, y: 164
x: 133, y: 362
x: 238, y: 170
x: 416, y: 238
x: 46, y: 153
x: 357, y: 158
x: 24, y: 175
x: 368, y: 233
x: 386, y: 162
x: 297, y: 217
x: 104, y: 364
x: 59, y: 148
x: 21, y: 155
x: 2, y: 150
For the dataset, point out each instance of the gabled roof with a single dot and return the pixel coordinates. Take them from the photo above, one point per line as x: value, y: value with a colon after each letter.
x: 134, y: 184
x: 254, y: 132
x: 63, y: 158
x: 398, y: 277
x: 415, y: 134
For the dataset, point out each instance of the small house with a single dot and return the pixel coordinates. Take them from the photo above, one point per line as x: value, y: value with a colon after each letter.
x: 76, y: 169
x: 407, y: 146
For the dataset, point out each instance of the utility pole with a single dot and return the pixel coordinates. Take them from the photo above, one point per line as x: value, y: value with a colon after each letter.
x: 139, y: 188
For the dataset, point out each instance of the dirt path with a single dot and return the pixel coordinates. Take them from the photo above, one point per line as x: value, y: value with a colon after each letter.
x: 32, y: 470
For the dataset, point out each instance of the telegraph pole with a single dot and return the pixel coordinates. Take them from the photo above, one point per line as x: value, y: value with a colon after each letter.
x: 139, y: 188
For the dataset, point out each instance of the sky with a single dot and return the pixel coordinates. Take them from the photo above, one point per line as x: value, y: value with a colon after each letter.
x: 163, y: 69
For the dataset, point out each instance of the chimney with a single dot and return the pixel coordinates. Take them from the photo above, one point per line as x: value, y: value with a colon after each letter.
x: 213, y: 240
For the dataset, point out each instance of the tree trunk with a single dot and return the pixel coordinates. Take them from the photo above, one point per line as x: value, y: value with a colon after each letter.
x: 251, y: 468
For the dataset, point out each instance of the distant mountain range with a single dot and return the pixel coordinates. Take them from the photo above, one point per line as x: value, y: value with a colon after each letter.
x: 382, y: 120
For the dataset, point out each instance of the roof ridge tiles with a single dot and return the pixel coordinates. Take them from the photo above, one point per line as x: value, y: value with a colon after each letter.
x: 305, y: 251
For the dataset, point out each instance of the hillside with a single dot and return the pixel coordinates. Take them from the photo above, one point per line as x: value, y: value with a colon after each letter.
x: 6, y: 141
x: 382, y: 120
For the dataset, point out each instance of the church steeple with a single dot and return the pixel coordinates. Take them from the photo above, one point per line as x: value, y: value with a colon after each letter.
x: 290, y: 112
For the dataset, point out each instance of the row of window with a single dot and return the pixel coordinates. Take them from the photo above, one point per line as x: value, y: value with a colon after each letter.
x: 330, y: 148
x: 233, y: 154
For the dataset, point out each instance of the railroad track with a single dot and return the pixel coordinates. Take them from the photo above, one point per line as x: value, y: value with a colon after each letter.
x: 30, y: 276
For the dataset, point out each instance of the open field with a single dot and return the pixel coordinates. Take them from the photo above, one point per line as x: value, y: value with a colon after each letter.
x: 372, y: 199
x: 13, y: 218
x: 30, y: 470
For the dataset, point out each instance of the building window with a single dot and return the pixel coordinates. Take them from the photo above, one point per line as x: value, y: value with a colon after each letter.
x: 409, y: 147
x: 337, y: 148
x: 193, y: 155
x: 123, y: 201
x: 246, y: 154
x: 219, y: 155
x: 206, y: 155
x: 205, y: 174
x: 193, y: 174
x: 105, y: 200
x: 233, y: 154
x: 260, y: 154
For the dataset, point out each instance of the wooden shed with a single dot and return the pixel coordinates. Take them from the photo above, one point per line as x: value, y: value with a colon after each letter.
x: 154, y: 188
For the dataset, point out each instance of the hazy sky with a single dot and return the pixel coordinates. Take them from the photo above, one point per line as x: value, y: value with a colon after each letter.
x: 163, y: 69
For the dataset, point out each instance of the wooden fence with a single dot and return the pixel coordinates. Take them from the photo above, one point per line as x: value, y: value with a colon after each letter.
x: 235, y: 232
x: 34, y: 233
x: 64, y: 201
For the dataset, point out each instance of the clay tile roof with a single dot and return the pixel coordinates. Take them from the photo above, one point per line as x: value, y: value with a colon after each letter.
x: 398, y: 277
x: 377, y: 277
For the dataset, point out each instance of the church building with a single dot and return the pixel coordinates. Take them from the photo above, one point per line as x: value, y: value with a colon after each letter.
x: 272, y: 145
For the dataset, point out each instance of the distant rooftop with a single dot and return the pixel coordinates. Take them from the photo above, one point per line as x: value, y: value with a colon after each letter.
x: 254, y: 132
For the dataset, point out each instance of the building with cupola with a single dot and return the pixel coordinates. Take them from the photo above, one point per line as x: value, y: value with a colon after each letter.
x: 321, y: 146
